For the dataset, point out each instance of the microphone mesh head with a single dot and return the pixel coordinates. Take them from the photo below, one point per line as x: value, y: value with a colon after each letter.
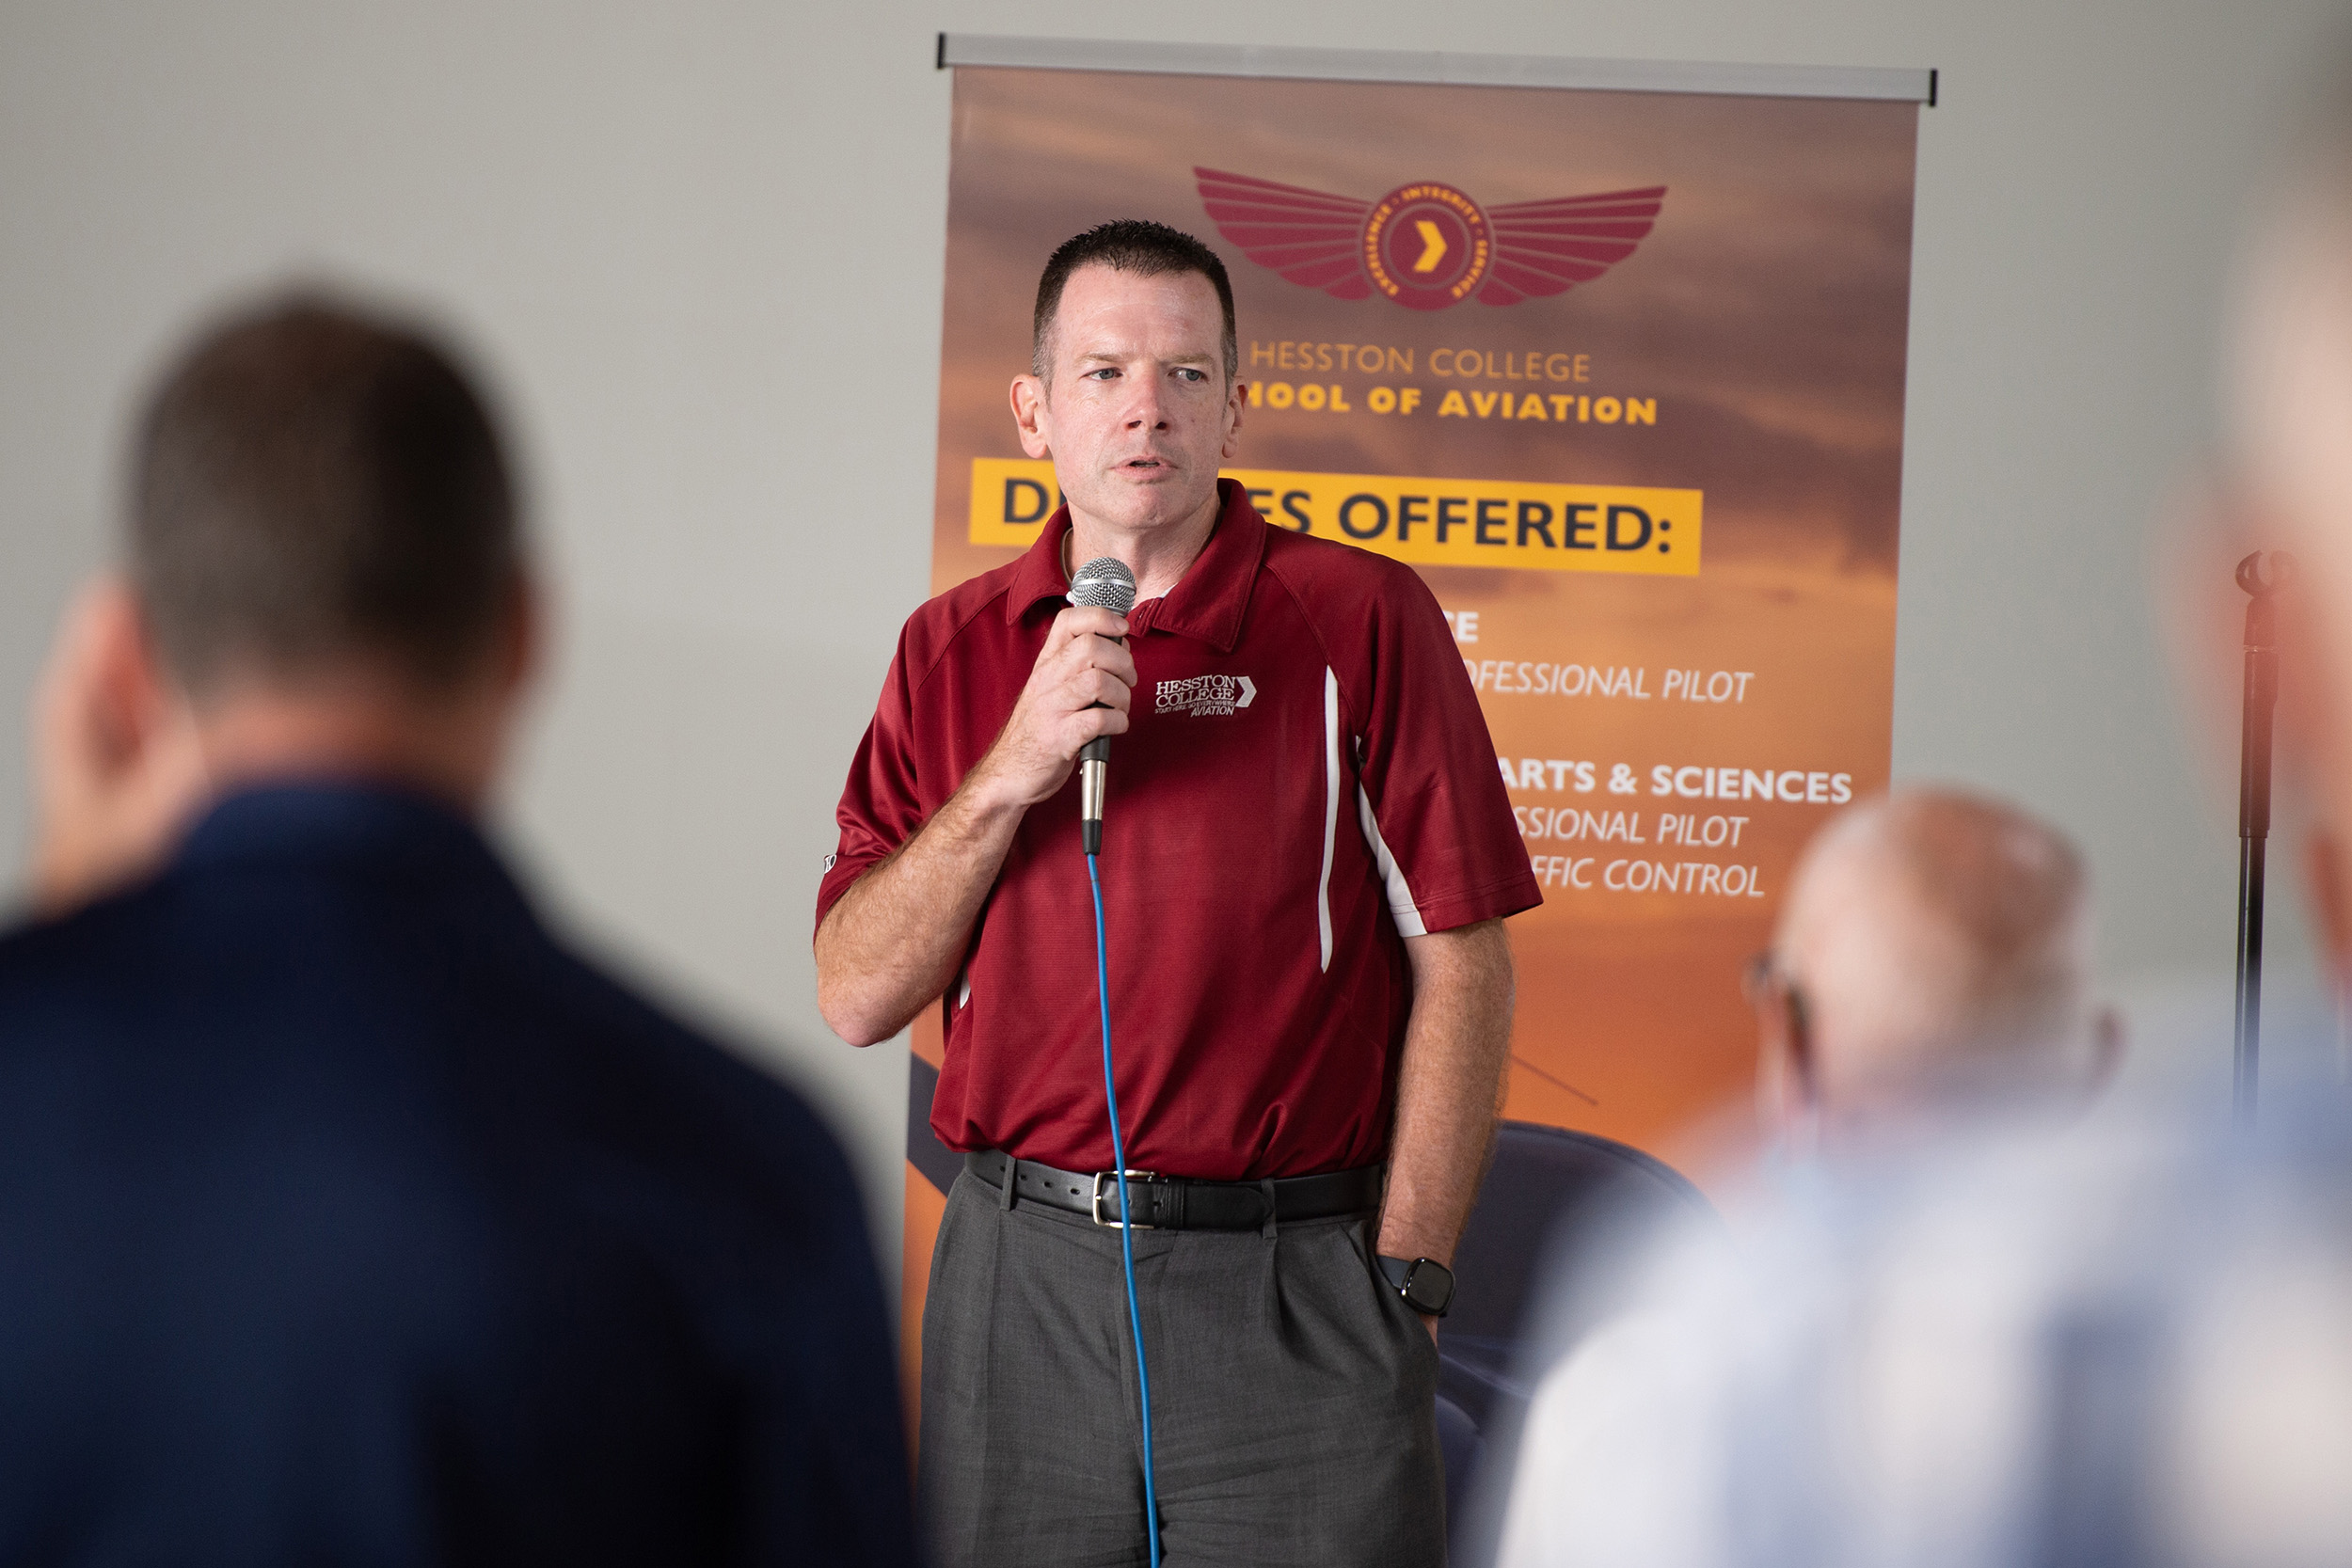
x: 1106, y: 582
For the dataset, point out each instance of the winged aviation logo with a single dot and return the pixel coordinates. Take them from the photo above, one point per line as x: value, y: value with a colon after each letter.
x: 1427, y: 245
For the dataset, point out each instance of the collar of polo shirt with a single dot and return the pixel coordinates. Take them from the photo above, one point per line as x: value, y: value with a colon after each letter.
x: 1208, y: 602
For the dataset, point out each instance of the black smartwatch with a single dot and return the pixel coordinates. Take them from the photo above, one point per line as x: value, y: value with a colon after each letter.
x: 1426, y: 1285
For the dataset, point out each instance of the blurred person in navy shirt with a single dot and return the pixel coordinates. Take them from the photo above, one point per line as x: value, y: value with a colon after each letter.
x: 346, y: 1214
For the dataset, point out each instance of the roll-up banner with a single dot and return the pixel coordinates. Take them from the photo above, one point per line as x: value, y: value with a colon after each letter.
x: 1613, y: 354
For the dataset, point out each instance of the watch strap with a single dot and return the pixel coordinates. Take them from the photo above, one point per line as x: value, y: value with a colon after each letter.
x: 1401, y: 1274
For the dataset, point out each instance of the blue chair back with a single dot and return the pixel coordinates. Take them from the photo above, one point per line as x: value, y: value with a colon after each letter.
x: 1558, y: 1208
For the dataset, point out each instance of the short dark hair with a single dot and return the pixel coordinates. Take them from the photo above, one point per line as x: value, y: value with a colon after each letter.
x: 1140, y: 246
x: 315, y: 486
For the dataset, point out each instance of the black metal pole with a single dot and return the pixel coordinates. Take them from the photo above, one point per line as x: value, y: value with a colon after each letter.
x: 2253, y: 819
x: 2250, y: 974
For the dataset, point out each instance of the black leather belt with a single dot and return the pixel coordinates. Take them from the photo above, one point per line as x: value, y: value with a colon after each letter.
x: 1179, y: 1203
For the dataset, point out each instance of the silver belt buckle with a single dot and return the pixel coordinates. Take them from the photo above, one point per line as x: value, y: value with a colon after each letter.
x: 1122, y: 1223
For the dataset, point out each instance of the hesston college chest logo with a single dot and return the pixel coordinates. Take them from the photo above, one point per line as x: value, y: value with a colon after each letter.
x: 1205, y: 696
x: 1427, y: 244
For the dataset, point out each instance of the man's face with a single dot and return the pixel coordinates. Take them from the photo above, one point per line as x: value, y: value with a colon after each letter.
x: 1137, y: 415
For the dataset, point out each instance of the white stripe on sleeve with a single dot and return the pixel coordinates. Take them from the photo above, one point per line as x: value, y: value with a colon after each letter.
x: 1330, y: 807
x: 1400, y: 907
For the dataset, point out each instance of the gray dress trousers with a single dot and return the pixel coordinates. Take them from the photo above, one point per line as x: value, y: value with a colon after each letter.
x: 1293, y: 1396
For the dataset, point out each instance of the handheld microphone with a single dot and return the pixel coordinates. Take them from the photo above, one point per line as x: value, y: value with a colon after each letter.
x: 1105, y: 584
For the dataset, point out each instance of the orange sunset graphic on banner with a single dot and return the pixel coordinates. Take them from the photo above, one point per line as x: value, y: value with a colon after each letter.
x: 1643, y: 443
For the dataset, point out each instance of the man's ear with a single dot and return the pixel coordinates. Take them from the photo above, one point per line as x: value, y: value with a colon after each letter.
x: 118, y: 761
x: 1236, y: 400
x: 1031, y: 417
x: 1775, y: 1090
x: 521, y: 634
x: 105, y: 677
x: 1783, y: 1095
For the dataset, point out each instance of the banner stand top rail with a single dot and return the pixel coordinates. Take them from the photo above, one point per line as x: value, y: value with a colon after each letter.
x: 1435, y: 69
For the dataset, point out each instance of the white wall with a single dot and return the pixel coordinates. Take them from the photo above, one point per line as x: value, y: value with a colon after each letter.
x: 698, y: 246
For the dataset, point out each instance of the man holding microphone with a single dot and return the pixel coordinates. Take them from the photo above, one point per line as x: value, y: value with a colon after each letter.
x: 1307, y: 863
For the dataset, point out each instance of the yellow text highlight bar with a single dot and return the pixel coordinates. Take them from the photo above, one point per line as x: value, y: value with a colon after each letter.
x: 1427, y: 522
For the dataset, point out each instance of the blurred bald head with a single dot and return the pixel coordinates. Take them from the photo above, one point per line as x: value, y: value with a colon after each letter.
x: 1933, y: 955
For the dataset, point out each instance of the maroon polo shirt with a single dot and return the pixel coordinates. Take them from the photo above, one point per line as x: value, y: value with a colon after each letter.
x: 1307, y: 780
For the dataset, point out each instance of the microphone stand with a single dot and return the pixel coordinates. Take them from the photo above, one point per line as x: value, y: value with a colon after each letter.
x: 2253, y: 815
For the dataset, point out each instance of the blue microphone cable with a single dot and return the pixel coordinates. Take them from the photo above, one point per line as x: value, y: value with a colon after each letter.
x: 1126, y: 1230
